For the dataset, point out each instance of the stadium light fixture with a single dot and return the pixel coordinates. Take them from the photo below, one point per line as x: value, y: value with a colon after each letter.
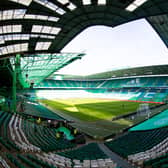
x: 63, y: 1
x: 2, y: 41
x: 101, y: 2
x: 60, y: 11
x: 10, y: 29
x: 16, y: 28
x: 71, y: 6
x: 42, y: 45
x: 51, y: 6
x: 20, y: 37
x: 36, y: 28
x: 21, y: 14
x: 53, y: 19
x: 9, y: 49
x: 55, y: 30
x: 23, y: 2
x: 45, y: 29
x: 135, y: 4
x: 86, y: 2
x: 68, y: 4
x: 18, y: 14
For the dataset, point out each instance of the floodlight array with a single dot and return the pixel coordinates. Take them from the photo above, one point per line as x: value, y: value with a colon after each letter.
x: 20, y: 37
x: 89, y: 2
x: 21, y: 14
x: 68, y: 4
x: 23, y: 2
x: 45, y: 29
x: 51, y: 6
x: 15, y: 48
x: 10, y: 29
x: 135, y: 4
x: 101, y: 2
x: 42, y: 45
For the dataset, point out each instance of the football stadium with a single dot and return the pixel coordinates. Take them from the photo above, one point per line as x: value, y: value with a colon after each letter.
x: 112, y: 119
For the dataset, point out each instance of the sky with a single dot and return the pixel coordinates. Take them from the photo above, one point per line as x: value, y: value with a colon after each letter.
x: 129, y: 45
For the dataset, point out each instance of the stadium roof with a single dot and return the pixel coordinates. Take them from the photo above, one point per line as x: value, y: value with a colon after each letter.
x: 128, y: 72
x: 138, y: 71
x: 33, y: 68
x: 46, y: 26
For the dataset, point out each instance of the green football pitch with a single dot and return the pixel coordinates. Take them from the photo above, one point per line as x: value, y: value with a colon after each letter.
x: 94, y: 116
x: 92, y: 109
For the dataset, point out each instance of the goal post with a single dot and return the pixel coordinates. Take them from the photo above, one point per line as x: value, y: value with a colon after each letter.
x: 143, y: 109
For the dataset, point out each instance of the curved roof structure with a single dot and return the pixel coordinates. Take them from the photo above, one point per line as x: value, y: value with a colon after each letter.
x: 31, y: 27
x: 46, y: 26
x: 33, y: 68
x: 154, y: 70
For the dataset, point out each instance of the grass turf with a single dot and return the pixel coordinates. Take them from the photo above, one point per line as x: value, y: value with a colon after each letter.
x: 92, y: 109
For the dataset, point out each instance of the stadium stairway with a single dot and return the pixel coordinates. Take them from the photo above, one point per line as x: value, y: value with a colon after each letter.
x: 116, y: 158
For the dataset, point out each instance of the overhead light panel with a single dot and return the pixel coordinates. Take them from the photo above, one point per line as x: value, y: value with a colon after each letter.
x: 53, y: 19
x: 101, y: 2
x: 17, y: 28
x: 86, y: 2
x: 24, y: 46
x: 42, y: 17
x: 46, y: 45
x: 51, y: 6
x: 63, y: 1
x: 10, y: 48
x: 37, y: 28
x: 16, y: 48
x: 21, y: 14
x: 3, y: 50
x: 68, y: 4
x: 2, y: 41
x: 47, y: 37
x: 24, y: 36
x: 45, y: 29
x: 60, y: 11
x: 139, y: 2
x: 55, y: 30
x: 131, y: 8
x: 27, y: 16
x: 71, y: 6
x: 18, y: 13
x: 42, y: 45
x: 135, y: 4
x: 20, y: 37
x: 23, y: 2
x: 10, y: 29
x: 16, y: 37
x: 7, y: 14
